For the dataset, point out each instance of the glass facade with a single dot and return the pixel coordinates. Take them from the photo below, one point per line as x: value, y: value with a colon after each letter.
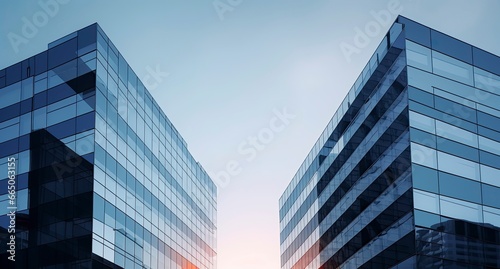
x: 102, y: 178
x: 407, y: 172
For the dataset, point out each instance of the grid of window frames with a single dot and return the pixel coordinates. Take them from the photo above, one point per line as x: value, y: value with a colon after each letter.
x: 454, y: 92
x: 160, y: 207
x: 153, y: 205
x: 408, y: 180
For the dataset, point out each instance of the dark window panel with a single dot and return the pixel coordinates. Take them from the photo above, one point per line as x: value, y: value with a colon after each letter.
x: 9, y: 147
x: 425, y: 178
x: 426, y: 219
x: 423, y: 138
x: 62, y: 53
x: 2, y: 82
x: 416, y: 32
x: 41, y: 63
x: 486, y: 132
x: 455, y: 109
x: 123, y: 69
x: 420, y: 96
x: 488, y: 120
x: 13, y: 73
x: 28, y: 68
x: 458, y: 149
x: 489, y: 159
x: 63, y: 129
x: 87, y: 39
x: 40, y: 100
x: 85, y: 122
x: 486, y: 61
x: 10, y: 112
x: 59, y: 92
x: 460, y: 188
x: 451, y: 46
x: 26, y: 106
x: 24, y: 142
x: 491, y: 195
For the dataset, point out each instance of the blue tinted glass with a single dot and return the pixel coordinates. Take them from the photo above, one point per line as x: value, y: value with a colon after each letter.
x: 451, y: 46
x: 416, y: 32
x: 458, y: 149
x: 62, y: 53
x: 87, y: 38
x: 491, y: 195
x: 423, y: 138
x: 489, y: 159
x: 63, y: 129
x: 488, y: 120
x: 420, y: 96
x: 425, y: 178
x: 40, y: 100
x: 13, y: 74
x: 123, y: 69
x: 486, y: 61
x: 98, y: 208
x: 85, y: 122
x: 41, y: 63
x: 455, y: 109
x: 459, y: 188
x: 59, y: 92
x: 488, y: 133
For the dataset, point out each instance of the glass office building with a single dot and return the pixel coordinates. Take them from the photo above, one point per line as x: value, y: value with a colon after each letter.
x: 102, y: 178
x: 407, y: 172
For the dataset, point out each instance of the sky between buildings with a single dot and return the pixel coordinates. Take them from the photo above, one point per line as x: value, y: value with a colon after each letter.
x: 249, y: 84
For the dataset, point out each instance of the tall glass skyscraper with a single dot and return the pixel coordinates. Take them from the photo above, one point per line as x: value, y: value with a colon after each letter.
x: 407, y: 172
x: 92, y: 172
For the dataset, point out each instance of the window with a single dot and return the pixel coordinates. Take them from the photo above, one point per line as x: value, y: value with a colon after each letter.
x: 10, y: 95
x: 426, y: 201
x: 422, y: 122
x: 489, y: 145
x: 490, y: 175
x: 459, y: 209
x: 491, y: 195
x: 452, y: 68
x: 458, y: 166
x: 457, y: 134
x: 423, y: 155
x: 425, y: 178
x: 458, y: 187
x: 418, y: 56
x: 491, y: 216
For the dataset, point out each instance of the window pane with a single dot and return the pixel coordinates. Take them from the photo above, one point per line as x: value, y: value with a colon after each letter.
x: 425, y: 178
x: 449, y: 67
x: 422, y: 122
x: 423, y: 155
x: 458, y: 166
x: 459, y: 209
x: 491, y: 195
x: 489, y: 145
x: 490, y: 175
x: 457, y: 134
x: 458, y: 187
x: 10, y: 95
x: 426, y: 201
x: 418, y: 56
x: 491, y: 216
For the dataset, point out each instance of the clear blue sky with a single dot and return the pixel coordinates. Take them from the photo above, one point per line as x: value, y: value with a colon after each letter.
x: 230, y: 71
